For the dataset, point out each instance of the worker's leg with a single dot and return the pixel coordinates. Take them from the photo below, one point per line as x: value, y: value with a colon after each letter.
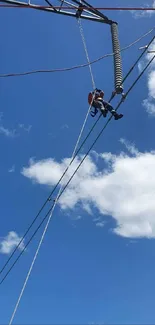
x: 109, y: 107
x: 99, y: 105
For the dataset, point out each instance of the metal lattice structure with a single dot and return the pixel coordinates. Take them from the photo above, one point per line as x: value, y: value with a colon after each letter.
x: 78, y: 9
x: 73, y: 8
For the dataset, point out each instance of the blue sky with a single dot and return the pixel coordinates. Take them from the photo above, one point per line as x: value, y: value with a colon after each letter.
x: 97, y: 263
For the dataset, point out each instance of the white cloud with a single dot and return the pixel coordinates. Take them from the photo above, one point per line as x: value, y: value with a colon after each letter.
x: 12, y: 133
x: 125, y: 189
x: 77, y: 218
x: 7, y: 132
x: 100, y: 224
x: 150, y: 107
x: 65, y: 126
x: 12, y: 169
x: 87, y: 208
x: 149, y: 103
x: 144, y: 13
x: 141, y: 66
x: 8, y: 243
x: 27, y: 129
x: 130, y: 147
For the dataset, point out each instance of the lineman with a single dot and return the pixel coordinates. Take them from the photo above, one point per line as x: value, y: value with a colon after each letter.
x: 98, y: 103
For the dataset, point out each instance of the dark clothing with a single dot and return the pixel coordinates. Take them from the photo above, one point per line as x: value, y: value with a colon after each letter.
x: 102, y: 105
x: 95, y: 99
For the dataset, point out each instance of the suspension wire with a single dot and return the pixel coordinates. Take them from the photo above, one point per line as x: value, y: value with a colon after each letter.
x: 58, y: 183
x: 47, y: 224
x: 86, y: 51
x: 78, y: 66
x: 50, y: 195
x: 119, y: 104
x: 46, y: 228
x: 60, y: 190
x: 73, y: 158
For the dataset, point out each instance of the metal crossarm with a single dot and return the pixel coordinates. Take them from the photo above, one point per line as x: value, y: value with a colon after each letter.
x: 68, y: 8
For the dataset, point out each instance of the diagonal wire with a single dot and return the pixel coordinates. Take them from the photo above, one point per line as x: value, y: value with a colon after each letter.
x: 45, y: 229
x: 86, y: 52
x: 119, y: 104
x: 74, y: 152
x: 58, y: 195
x: 49, y: 197
x: 78, y: 66
x: 61, y: 192
x: 100, y: 133
x: 130, y: 70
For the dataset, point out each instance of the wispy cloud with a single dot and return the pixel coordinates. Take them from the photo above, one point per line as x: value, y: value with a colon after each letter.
x: 27, y: 129
x: 8, y: 133
x: 5, y: 131
x: 100, y: 224
x: 76, y: 218
x: 149, y: 102
x: 124, y: 189
x: 8, y: 243
x: 65, y: 126
x: 144, y: 13
x: 12, y: 133
x: 12, y: 169
x: 150, y: 106
x: 129, y: 146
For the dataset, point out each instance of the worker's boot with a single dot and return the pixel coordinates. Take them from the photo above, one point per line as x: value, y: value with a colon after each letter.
x: 116, y: 115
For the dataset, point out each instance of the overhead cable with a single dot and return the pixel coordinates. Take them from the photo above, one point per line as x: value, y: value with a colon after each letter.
x: 85, y: 156
x: 6, y: 75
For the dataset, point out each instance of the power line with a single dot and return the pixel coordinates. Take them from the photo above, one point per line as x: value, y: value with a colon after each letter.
x: 78, y: 66
x: 18, y: 257
x: 46, y: 227
x: 43, y: 235
x: 49, y: 197
x: 140, y: 56
x: 76, y: 153
x: 100, y: 133
x: 31, y: 6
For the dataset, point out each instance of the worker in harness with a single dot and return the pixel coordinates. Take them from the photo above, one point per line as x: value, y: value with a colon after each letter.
x: 95, y: 99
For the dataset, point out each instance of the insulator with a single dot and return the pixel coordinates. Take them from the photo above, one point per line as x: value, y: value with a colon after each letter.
x: 117, y: 59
